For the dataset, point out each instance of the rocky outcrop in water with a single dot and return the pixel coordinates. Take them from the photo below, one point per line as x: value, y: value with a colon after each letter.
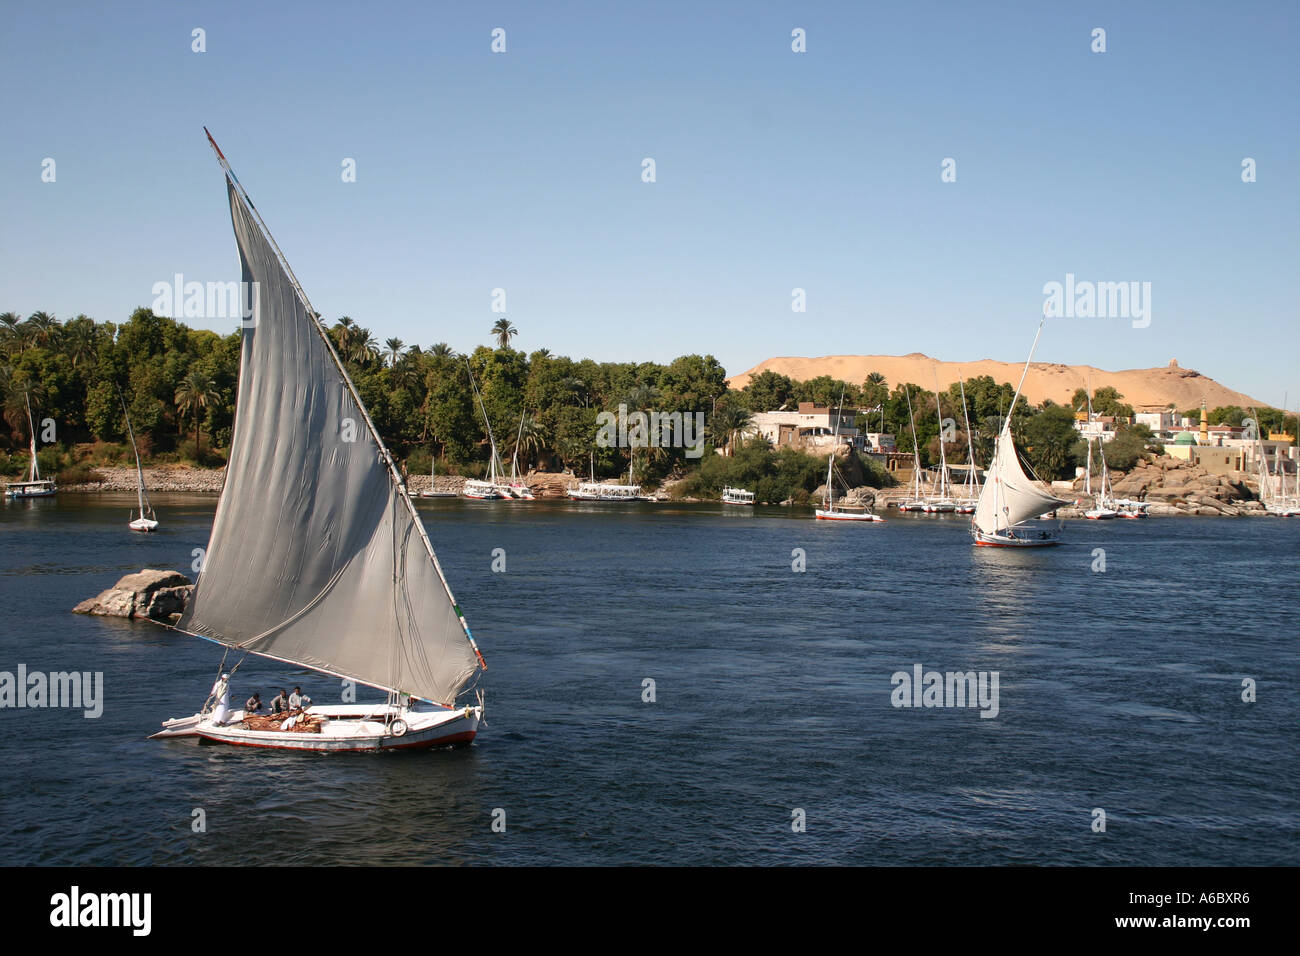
x: 156, y: 595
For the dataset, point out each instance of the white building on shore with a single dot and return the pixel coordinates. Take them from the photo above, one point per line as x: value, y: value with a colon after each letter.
x: 811, y: 426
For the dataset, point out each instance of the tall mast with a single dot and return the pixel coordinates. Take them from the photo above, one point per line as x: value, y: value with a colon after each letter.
x: 943, y: 457
x: 970, y: 441
x: 139, y: 471
x: 492, y: 463
x: 31, y: 428
x: 916, y: 451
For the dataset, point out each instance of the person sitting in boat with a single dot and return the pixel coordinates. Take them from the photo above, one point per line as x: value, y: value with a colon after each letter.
x: 254, y: 704
x: 280, y: 702
x: 298, y: 700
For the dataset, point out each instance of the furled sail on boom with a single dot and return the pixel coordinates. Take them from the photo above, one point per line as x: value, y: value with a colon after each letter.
x: 317, y: 555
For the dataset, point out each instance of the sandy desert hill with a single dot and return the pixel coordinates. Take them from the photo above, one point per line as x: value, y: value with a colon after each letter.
x: 1181, y: 387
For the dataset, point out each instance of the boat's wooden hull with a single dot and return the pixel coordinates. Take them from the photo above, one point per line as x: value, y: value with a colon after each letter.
x: 144, y: 525
x: 455, y: 727
x: 823, y: 515
x: 22, y: 493
x: 1027, y: 539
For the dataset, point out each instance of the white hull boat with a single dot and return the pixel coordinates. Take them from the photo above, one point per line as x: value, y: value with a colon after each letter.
x: 31, y: 489
x: 830, y: 511
x: 144, y: 520
x: 358, y: 593
x: 482, y: 490
x: 1010, y: 497
x: 836, y: 514
x: 340, y: 727
x: 35, y: 486
x: 1019, y: 537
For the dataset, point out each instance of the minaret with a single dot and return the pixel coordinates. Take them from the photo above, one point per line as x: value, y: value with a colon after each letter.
x: 1205, y: 425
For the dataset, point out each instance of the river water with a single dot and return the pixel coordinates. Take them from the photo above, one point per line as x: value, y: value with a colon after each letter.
x: 1119, y: 690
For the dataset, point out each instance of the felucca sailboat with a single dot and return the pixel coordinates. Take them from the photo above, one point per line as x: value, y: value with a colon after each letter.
x: 144, y: 520
x: 830, y: 511
x: 1009, y: 497
x: 35, y: 486
x: 333, y: 572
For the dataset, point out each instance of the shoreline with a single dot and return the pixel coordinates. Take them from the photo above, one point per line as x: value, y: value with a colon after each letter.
x: 1170, y: 488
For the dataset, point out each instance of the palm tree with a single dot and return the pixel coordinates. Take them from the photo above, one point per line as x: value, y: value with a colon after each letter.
x: 530, y: 438
x: 365, y: 346
x: 503, y: 331
x: 80, y: 340
x: 196, y: 391
x: 42, y: 327
x: 442, y: 350
x: 393, y: 349
x: 730, y: 422
x: 9, y: 323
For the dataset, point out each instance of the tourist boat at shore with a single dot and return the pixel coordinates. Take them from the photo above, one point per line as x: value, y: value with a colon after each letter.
x: 335, y: 572
x: 941, y: 500
x: 604, y: 491
x: 1103, y: 506
x: 1009, y: 497
x: 143, y: 520
x: 830, y: 509
x: 971, y: 488
x: 1128, y: 508
x: 737, y: 496
x: 1272, y: 482
x: 915, y: 500
x: 35, y: 486
x: 493, y: 488
x: 515, y: 487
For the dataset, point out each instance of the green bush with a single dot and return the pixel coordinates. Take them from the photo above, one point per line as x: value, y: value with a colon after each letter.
x: 79, y: 474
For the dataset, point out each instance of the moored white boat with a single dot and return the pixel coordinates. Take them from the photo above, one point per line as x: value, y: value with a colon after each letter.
x: 830, y: 509
x: 604, y: 491
x: 737, y: 496
x: 35, y: 486
x: 145, y: 520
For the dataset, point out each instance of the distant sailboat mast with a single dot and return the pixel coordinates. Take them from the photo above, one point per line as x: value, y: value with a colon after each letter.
x: 145, y: 508
x: 916, y: 450
x: 34, y: 471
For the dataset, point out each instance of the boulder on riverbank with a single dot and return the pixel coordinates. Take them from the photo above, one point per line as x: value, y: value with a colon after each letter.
x: 156, y: 595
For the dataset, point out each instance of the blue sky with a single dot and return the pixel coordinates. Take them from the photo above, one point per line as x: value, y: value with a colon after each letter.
x: 775, y: 170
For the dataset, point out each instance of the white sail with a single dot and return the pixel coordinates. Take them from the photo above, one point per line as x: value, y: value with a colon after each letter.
x: 1009, y: 496
x: 317, y: 555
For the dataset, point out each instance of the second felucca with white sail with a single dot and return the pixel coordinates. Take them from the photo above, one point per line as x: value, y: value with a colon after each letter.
x: 1009, y: 497
x: 334, y: 572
